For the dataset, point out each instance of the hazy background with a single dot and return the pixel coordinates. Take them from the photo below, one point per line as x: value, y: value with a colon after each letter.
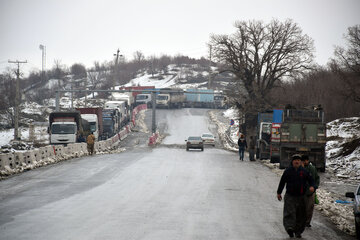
x: 84, y: 31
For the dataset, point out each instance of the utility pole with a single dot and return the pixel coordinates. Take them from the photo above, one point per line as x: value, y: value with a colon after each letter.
x: 17, y: 99
x: 116, y: 75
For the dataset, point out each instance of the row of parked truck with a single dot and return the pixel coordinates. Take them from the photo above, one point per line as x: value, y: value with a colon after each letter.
x: 177, y: 98
x: 104, y: 122
x: 74, y: 126
x: 281, y: 133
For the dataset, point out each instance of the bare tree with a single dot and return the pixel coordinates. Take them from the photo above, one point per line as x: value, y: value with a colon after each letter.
x: 78, y: 70
x: 58, y: 69
x: 260, y: 56
x: 139, y: 57
x: 7, y: 97
x: 347, y: 64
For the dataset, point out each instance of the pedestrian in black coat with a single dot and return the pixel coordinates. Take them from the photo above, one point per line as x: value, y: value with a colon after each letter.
x: 297, y: 179
x: 242, y: 146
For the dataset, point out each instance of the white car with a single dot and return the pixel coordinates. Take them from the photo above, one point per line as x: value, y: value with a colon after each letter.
x: 208, y: 138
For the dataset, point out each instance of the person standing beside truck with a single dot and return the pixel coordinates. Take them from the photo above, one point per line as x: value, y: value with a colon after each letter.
x: 297, y: 179
x: 252, y: 145
x: 242, y: 146
x: 310, y: 196
x: 90, y: 143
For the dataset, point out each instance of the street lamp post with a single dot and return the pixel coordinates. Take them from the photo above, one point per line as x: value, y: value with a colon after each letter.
x: 43, y: 62
x: 116, y: 75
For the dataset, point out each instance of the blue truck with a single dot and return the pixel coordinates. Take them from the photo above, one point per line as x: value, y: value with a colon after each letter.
x: 201, y: 98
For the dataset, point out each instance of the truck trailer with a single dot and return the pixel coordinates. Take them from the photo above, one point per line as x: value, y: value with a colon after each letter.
x: 94, y: 117
x: 201, y: 98
x: 303, y: 131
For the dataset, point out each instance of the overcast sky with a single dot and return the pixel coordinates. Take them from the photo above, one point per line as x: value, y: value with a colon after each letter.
x: 84, y: 31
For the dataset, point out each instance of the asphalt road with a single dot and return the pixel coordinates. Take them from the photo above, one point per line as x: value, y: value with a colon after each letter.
x: 150, y: 193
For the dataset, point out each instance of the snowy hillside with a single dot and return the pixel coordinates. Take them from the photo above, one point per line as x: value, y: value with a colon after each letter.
x: 343, y: 147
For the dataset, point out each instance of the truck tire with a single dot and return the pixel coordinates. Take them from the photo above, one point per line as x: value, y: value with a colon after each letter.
x: 262, y: 151
x: 283, y: 159
x: 274, y: 159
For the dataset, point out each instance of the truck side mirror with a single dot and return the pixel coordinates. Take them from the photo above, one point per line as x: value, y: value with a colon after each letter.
x: 350, y: 195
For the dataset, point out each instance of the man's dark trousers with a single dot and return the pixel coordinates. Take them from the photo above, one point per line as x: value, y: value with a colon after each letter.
x: 294, y: 213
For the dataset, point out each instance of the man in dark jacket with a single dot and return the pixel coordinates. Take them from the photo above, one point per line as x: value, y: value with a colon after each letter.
x: 297, y: 179
x: 242, y: 146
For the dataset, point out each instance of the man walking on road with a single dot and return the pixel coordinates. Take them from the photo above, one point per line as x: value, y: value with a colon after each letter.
x: 90, y: 143
x: 297, y: 179
x: 242, y: 146
x: 310, y: 196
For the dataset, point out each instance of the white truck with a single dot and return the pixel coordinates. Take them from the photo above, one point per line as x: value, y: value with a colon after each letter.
x: 143, y: 98
x: 174, y: 99
x: 121, y: 106
x: 93, y: 122
x: 128, y: 98
x: 65, y: 127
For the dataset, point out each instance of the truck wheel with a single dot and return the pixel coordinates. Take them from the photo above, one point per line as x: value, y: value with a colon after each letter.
x: 357, y: 229
x: 274, y: 159
x: 283, y: 159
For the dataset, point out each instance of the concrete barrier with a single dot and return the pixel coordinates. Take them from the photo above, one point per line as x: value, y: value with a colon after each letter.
x: 152, y: 139
x: 37, y: 155
x: 59, y: 150
x: 5, y: 160
x: 108, y: 144
x: 43, y: 153
x: 19, y: 158
x: 49, y: 151
x: 84, y: 148
x: 29, y: 157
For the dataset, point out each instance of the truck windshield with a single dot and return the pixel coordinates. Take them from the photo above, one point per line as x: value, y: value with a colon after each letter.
x: 162, y: 97
x: 93, y: 127
x: 63, y: 129
x: 141, y: 97
x: 107, y: 121
x: 266, y: 128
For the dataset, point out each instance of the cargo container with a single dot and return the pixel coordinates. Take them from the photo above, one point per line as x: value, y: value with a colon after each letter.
x: 303, y: 131
x: 202, y: 98
x: 94, y: 117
